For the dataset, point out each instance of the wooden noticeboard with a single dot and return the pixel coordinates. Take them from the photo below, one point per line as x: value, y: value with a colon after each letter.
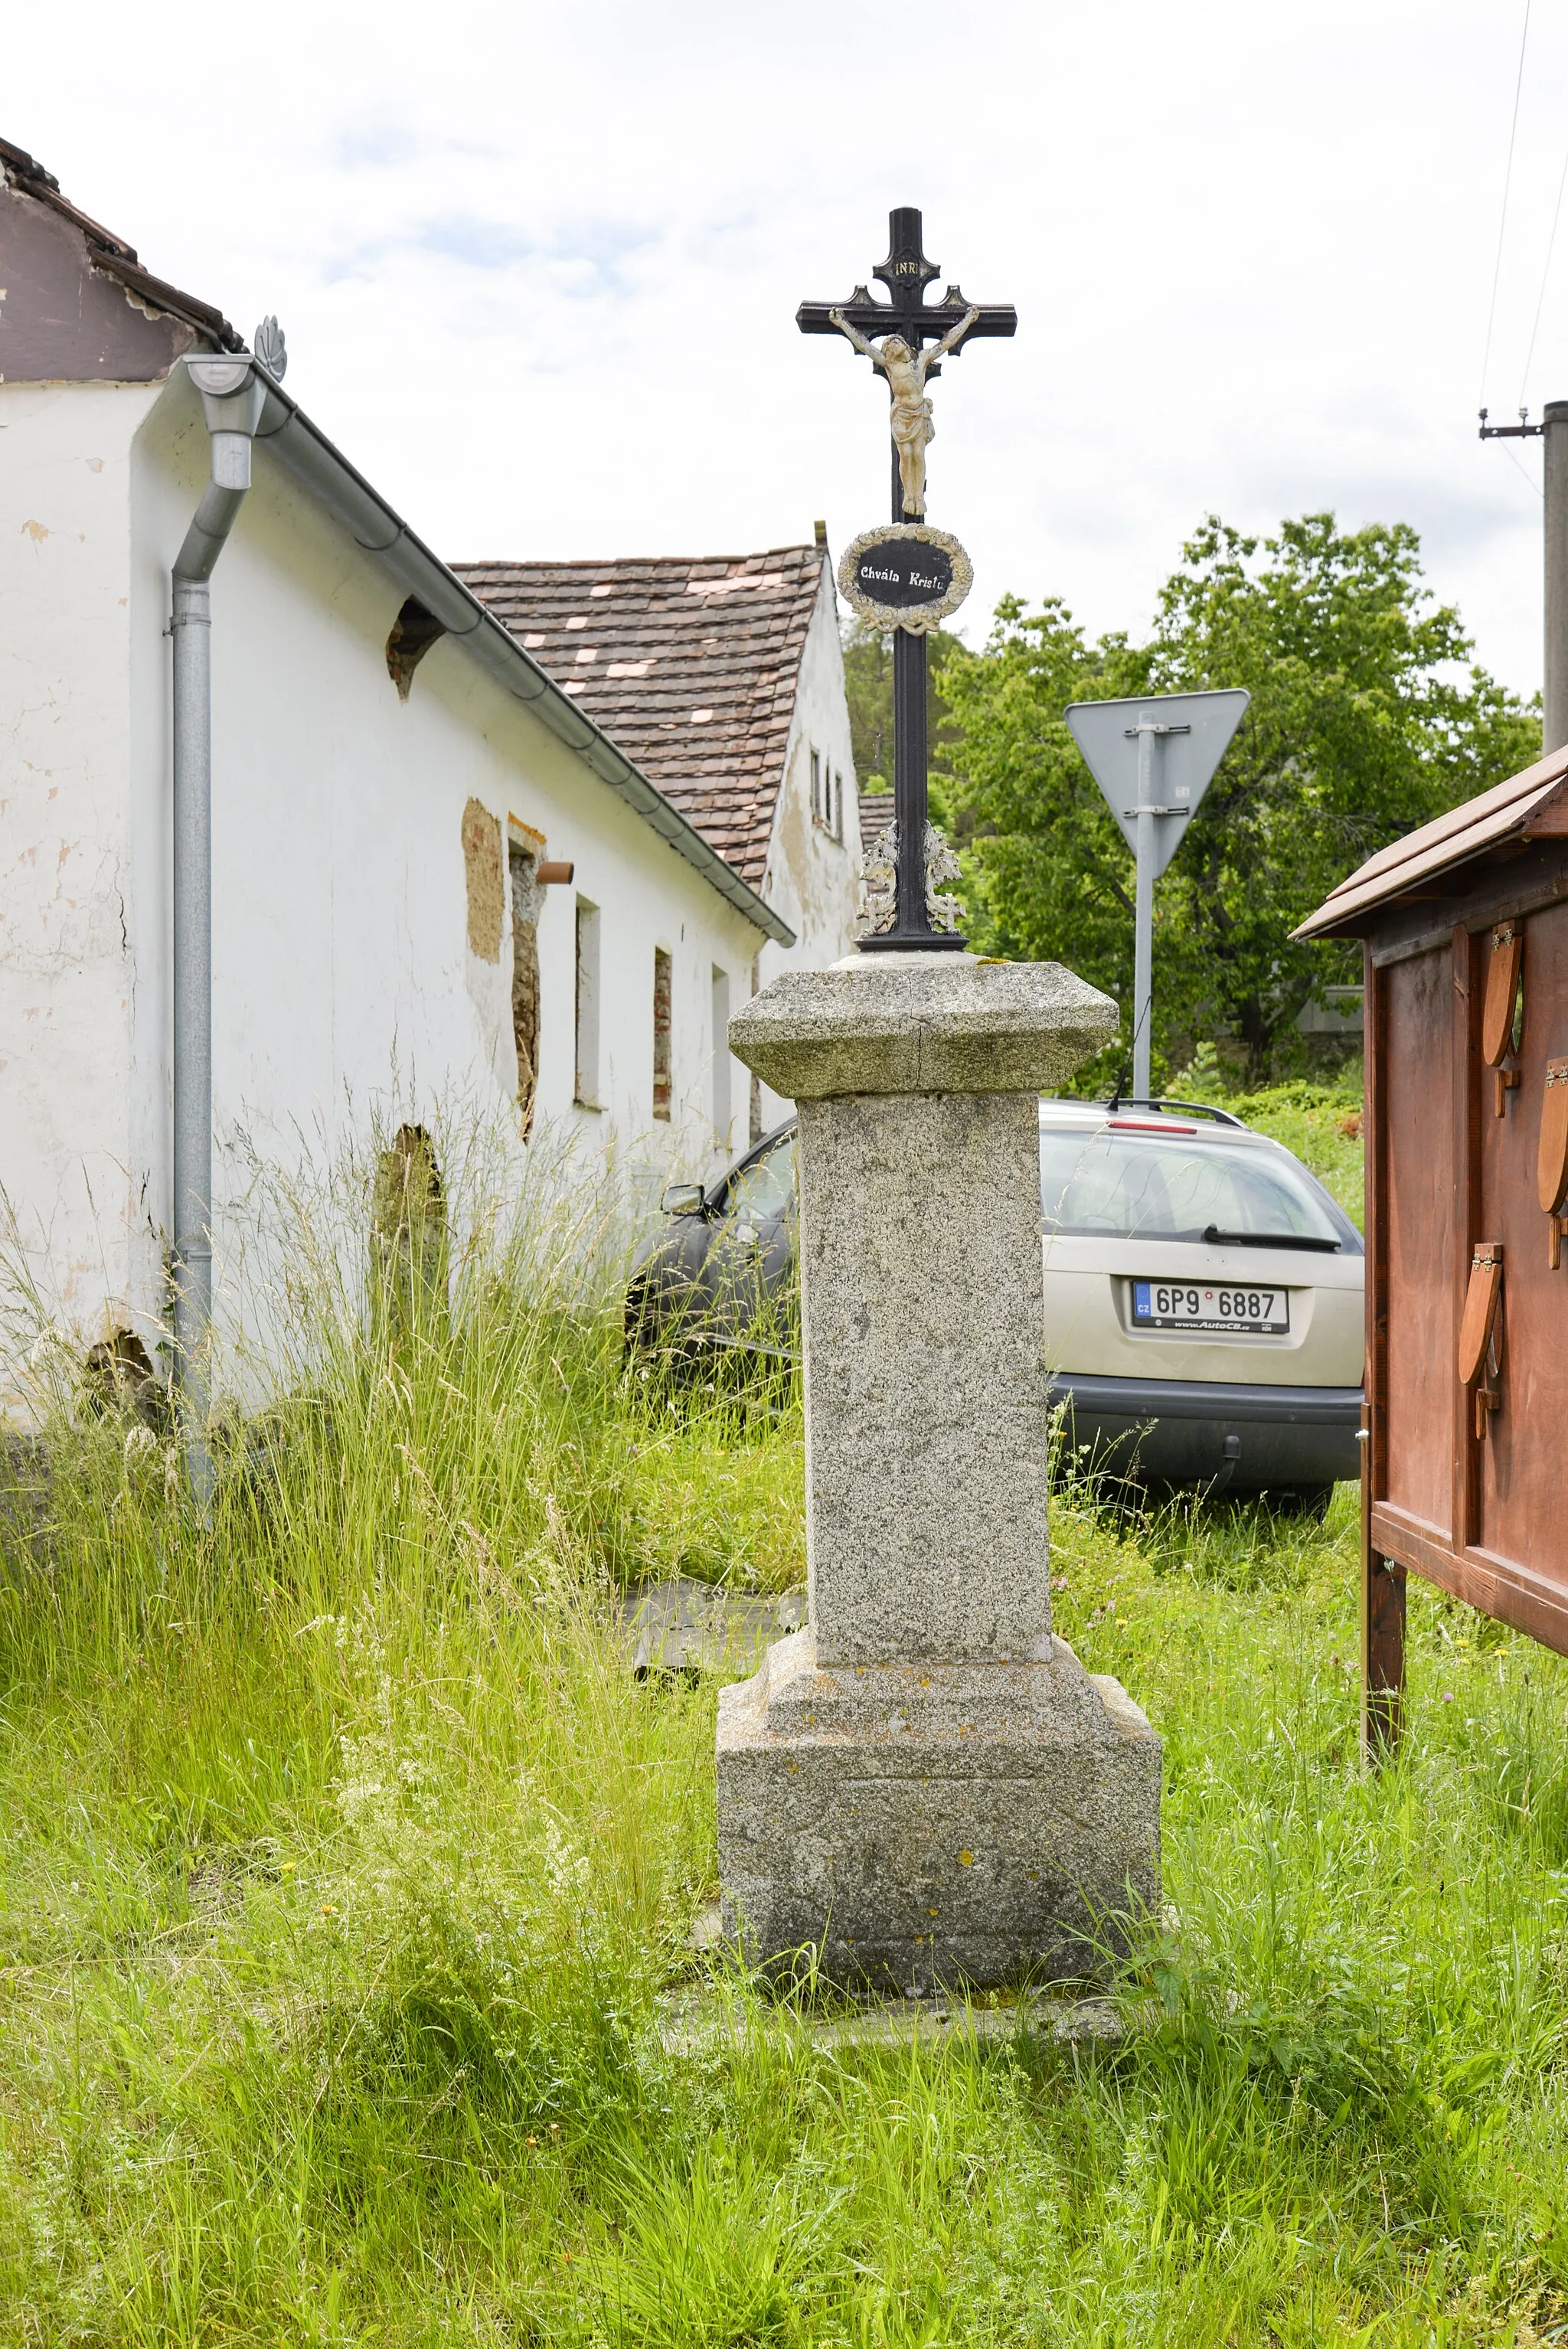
x: 1464, y: 930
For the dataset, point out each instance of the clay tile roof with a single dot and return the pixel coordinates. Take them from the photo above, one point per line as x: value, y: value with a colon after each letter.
x: 689, y: 664
x: 111, y: 253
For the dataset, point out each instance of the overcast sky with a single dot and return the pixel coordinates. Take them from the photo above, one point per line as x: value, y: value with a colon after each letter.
x: 538, y: 266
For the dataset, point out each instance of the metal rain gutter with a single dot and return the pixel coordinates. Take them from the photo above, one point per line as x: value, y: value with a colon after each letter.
x: 305, y: 452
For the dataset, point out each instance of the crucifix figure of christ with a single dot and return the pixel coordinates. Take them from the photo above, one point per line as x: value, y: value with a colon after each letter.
x: 894, y: 335
x: 913, y: 417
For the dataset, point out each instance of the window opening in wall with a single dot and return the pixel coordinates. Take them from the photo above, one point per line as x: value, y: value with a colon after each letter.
x: 526, y: 895
x: 661, y: 1033
x: 827, y: 796
x: 721, y: 1111
x: 586, y: 1082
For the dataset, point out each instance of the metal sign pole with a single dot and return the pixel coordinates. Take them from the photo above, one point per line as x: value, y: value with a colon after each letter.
x: 1143, y: 916
x: 1151, y: 777
x: 1161, y: 750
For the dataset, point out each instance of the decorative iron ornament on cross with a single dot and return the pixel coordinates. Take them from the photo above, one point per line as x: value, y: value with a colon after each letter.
x: 894, y: 335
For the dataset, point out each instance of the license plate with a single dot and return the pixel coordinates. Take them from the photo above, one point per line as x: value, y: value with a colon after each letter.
x: 1189, y: 1305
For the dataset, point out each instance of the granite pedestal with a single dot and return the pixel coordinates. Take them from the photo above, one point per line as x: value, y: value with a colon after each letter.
x: 923, y: 1783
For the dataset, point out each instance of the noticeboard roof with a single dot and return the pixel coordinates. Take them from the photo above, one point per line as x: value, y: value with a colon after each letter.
x: 1529, y: 806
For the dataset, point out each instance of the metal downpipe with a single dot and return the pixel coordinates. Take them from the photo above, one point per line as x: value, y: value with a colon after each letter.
x: 231, y: 394
x: 190, y: 1255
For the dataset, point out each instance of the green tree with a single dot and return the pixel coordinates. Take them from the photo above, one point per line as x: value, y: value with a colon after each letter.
x: 1367, y: 718
x: 868, y: 687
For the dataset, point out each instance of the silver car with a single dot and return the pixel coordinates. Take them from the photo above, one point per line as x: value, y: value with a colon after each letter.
x: 1203, y: 1302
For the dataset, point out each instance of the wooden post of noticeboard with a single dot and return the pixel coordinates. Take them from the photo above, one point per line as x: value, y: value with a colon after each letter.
x: 1382, y: 1649
x: 1382, y: 1582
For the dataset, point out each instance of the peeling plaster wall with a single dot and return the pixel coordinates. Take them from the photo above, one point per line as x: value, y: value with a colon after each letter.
x: 812, y: 879
x: 74, y: 896
x: 344, y: 980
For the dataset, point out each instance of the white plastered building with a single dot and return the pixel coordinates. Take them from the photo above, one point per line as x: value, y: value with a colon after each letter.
x: 723, y: 676
x: 394, y: 775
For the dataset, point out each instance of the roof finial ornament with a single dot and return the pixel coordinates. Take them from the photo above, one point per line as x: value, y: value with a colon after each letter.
x: 268, y: 345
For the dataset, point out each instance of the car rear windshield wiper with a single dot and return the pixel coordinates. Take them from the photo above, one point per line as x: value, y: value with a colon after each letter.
x: 1217, y: 1239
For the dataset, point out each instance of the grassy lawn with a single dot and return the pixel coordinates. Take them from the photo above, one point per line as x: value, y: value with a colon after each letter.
x: 343, y: 1868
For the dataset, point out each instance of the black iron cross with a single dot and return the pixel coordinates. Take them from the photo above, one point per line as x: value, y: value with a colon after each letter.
x: 906, y: 273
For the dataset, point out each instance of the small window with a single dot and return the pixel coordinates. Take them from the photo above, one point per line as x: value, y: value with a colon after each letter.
x: 827, y: 797
x: 662, y: 1077
x: 587, y: 1083
x: 721, y: 1111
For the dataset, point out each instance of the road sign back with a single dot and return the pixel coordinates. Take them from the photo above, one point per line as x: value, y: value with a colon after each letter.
x: 1175, y: 740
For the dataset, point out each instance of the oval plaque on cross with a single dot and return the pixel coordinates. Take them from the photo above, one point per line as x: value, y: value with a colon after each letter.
x: 905, y: 575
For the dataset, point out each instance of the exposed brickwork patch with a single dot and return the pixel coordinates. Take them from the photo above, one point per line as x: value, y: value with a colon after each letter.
x: 525, y: 896
x: 662, y: 1077
x: 484, y: 873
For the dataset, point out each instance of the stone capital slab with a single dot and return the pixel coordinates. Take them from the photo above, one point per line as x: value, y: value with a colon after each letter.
x: 921, y: 1023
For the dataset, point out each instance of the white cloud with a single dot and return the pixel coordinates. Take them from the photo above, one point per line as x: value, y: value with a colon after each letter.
x: 537, y: 267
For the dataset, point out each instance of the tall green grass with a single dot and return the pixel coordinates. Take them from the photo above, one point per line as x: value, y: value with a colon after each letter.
x: 343, y: 1868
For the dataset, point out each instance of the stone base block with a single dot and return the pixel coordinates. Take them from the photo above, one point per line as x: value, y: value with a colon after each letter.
x: 929, y: 1825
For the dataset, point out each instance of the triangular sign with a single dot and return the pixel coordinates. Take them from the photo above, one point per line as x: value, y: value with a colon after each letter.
x: 1180, y: 738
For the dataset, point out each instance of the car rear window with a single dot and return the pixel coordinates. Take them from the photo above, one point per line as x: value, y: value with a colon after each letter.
x: 1157, y: 1186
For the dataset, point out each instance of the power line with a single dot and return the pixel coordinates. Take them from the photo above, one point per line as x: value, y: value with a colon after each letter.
x: 1507, y: 182
x: 1546, y: 273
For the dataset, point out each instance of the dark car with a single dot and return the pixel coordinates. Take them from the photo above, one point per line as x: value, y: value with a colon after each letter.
x: 720, y: 1279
